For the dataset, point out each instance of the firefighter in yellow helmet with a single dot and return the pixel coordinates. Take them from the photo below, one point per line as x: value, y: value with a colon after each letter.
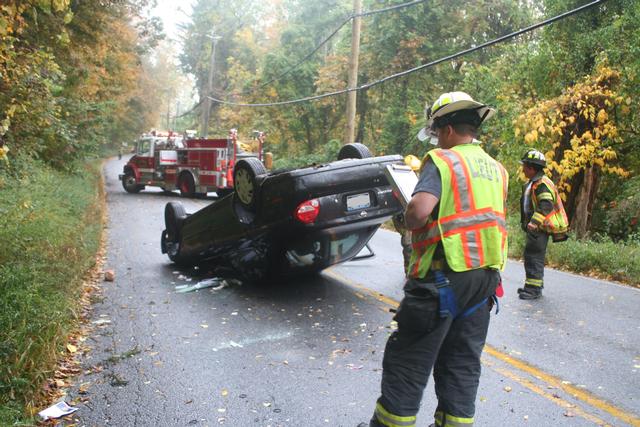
x: 457, y: 218
x: 398, y: 220
x: 541, y: 215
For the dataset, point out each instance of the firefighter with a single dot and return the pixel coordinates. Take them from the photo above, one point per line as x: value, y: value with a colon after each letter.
x: 542, y: 215
x: 457, y: 218
x: 398, y: 220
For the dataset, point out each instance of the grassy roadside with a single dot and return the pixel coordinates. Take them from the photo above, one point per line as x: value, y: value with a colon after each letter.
x: 604, y: 259
x: 50, y: 226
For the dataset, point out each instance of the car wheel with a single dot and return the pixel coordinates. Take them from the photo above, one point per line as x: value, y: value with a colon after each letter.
x: 245, y: 182
x: 355, y: 150
x: 187, y: 185
x: 129, y: 183
x: 174, y: 216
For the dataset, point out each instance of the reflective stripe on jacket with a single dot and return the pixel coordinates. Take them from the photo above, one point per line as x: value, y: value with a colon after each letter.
x: 471, y: 221
x: 556, y: 221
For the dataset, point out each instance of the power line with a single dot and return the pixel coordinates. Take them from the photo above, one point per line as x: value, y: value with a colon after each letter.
x: 427, y: 65
x: 326, y: 39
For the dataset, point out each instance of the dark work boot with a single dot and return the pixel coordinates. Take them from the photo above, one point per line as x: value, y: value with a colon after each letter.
x: 530, y: 292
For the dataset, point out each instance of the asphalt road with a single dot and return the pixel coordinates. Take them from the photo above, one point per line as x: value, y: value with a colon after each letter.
x: 308, y: 352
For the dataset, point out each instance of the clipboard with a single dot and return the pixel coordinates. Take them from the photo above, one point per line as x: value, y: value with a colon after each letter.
x: 403, y: 180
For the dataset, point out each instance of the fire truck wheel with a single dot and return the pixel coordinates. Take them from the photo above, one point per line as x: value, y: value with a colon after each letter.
x: 354, y: 151
x: 245, y: 182
x: 187, y: 185
x: 130, y: 185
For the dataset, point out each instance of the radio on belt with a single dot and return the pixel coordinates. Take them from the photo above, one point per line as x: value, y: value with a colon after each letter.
x: 403, y: 180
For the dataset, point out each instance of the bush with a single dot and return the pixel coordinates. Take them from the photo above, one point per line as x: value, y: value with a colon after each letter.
x: 50, y: 228
x: 623, y: 218
x: 326, y: 154
x: 601, y: 255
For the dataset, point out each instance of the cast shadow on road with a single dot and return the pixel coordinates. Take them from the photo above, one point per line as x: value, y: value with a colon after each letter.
x: 290, y: 291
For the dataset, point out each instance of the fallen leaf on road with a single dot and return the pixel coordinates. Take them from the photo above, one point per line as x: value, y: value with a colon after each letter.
x: 224, y: 392
x: 266, y: 404
x: 507, y: 389
x: 204, y: 326
x: 109, y: 275
x: 569, y: 414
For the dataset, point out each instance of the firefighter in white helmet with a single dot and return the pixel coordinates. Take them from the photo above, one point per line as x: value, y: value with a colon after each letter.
x: 457, y: 219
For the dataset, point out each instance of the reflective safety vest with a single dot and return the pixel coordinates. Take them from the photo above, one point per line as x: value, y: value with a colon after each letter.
x: 471, y: 221
x: 556, y: 221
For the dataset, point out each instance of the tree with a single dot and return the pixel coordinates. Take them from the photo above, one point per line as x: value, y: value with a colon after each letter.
x: 579, y: 132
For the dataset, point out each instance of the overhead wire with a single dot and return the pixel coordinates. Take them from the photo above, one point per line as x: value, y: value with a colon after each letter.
x: 423, y: 66
x: 325, y: 41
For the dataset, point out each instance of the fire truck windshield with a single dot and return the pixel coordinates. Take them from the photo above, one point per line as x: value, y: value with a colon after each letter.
x: 143, y: 147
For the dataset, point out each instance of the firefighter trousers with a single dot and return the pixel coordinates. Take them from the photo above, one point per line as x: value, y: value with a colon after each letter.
x: 450, y: 347
x: 534, y: 254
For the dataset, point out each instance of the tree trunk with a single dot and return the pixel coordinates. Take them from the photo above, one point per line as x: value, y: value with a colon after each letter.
x: 581, y: 222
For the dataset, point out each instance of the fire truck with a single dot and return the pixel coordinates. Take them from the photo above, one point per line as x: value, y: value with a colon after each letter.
x: 195, y: 166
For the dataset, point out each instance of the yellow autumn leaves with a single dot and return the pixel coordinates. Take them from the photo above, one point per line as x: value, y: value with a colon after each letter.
x: 577, y: 129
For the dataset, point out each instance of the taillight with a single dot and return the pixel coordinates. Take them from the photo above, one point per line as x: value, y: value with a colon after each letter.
x: 308, y: 211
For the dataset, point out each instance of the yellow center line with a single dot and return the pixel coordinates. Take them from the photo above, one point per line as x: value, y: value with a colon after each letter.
x: 579, y: 394
x: 552, y: 397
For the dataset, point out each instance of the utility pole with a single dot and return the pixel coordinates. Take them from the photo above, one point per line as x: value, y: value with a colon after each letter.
x: 206, y: 113
x: 175, y: 118
x: 353, y: 72
x: 169, y: 93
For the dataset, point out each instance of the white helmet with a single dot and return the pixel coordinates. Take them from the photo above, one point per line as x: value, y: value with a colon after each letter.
x: 449, y: 103
x: 534, y: 157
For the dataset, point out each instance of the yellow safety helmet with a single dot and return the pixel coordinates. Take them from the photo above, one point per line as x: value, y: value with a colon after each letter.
x: 413, y: 162
x: 453, y: 107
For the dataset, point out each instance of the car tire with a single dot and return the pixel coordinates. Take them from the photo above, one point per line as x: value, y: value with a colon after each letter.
x: 129, y: 183
x: 246, y: 183
x: 354, y: 150
x: 174, y: 216
x: 187, y: 185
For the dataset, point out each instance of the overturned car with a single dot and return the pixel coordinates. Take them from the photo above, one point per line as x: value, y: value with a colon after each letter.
x: 286, y: 222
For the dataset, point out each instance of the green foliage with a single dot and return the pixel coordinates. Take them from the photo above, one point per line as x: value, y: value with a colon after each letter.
x: 50, y: 226
x: 601, y: 257
x: 71, y: 76
x: 326, y: 154
x: 622, y: 218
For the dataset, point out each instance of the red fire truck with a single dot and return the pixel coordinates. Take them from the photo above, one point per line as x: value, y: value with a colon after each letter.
x: 194, y: 166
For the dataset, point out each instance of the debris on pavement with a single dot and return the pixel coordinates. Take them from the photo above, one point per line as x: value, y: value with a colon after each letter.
x: 109, y: 275
x: 58, y: 410
x: 215, y: 283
